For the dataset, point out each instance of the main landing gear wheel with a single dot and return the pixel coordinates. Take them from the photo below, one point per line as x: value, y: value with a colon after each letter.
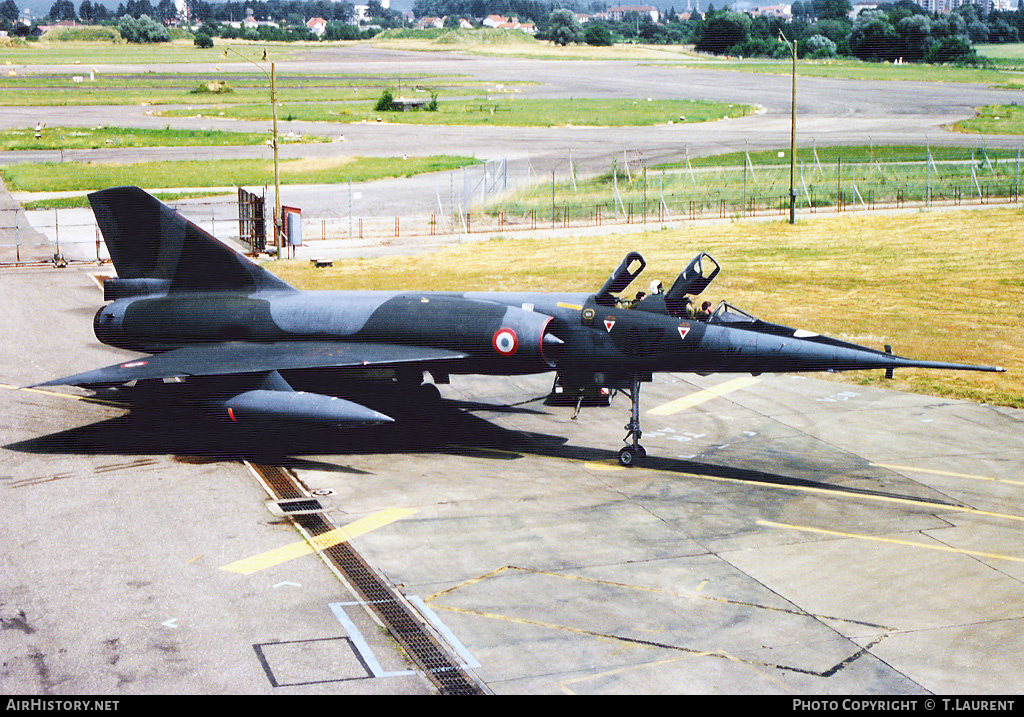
x: 633, y: 453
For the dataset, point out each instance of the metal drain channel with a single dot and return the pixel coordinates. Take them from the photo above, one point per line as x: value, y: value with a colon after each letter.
x: 424, y: 649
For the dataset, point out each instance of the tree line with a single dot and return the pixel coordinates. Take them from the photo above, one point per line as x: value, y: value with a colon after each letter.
x: 894, y: 31
x: 900, y: 31
x: 821, y: 28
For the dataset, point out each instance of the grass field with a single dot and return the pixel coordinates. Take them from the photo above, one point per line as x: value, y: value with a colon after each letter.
x: 500, y: 111
x: 849, y: 154
x: 517, y: 44
x: 238, y: 87
x: 74, y: 176
x: 82, y: 201
x: 89, y: 54
x: 859, y: 70
x: 994, y: 119
x: 937, y: 285
x: 1010, y: 51
x: 118, y: 137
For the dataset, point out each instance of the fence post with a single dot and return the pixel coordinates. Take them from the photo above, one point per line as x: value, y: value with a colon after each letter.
x: 839, y: 174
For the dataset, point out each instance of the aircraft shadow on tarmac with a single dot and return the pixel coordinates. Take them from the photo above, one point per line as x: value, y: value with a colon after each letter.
x: 445, y: 426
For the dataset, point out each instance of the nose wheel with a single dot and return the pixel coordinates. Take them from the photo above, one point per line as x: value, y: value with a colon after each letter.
x: 633, y: 453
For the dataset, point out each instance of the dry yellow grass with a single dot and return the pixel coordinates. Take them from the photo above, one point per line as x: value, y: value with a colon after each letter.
x: 548, y: 50
x: 942, y: 285
x: 314, y: 164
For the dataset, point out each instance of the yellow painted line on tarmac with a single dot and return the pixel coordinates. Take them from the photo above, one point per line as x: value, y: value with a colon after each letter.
x: 610, y: 464
x: 947, y: 473
x: 86, y: 399
x: 318, y: 543
x: 891, y: 541
x: 695, y: 399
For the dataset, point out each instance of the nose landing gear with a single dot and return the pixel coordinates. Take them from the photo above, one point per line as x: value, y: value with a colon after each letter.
x: 633, y: 453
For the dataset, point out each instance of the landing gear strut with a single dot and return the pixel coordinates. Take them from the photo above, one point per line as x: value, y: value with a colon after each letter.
x: 633, y: 453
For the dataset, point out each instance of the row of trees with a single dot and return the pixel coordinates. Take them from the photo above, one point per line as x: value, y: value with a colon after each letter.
x: 822, y: 28
x: 90, y: 12
x: 894, y: 31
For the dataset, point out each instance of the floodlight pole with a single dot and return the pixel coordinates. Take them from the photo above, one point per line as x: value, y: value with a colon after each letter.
x: 792, y: 135
x: 272, y: 75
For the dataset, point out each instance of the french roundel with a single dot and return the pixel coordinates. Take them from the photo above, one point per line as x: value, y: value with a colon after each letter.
x: 505, y: 342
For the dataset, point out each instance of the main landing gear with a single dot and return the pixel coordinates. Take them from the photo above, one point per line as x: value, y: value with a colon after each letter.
x: 633, y: 453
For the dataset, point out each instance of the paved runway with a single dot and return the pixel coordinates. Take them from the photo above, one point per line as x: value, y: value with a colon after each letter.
x: 788, y: 535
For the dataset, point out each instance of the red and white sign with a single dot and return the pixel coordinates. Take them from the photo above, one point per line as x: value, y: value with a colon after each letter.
x: 505, y: 342
x: 683, y: 331
x: 608, y: 324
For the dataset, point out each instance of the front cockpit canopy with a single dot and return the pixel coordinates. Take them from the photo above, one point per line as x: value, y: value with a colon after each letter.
x: 694, y: 278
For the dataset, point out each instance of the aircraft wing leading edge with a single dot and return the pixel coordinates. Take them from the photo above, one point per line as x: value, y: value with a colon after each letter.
x: 249, y: 358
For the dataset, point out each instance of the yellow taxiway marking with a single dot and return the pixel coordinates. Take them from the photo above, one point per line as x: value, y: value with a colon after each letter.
x: 892, y: 541
x: 606, y: 465
x: 73, y: 397
x: 611, y: 464
x: 947, y: 473
x: 317, y: 543
x: 695, y: 399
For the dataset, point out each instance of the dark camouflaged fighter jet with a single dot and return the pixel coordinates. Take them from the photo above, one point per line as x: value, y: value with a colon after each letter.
x: 248, y: 346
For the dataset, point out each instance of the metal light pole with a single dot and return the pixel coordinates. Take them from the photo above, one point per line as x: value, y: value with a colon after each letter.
x: 792, y: 135
x: 277, y: 170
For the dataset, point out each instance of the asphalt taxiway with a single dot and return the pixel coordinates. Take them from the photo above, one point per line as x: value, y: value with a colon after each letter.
x: 786, y: 535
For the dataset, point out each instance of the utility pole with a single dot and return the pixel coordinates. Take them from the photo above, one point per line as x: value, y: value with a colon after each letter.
x: 277, y: 169
x: 792, y: 135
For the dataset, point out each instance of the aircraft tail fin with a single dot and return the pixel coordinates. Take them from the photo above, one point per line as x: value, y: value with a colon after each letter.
x: 149, y: 240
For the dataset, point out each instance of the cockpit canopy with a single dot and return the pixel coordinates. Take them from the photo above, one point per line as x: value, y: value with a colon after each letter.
x: 623, y: 276
x: 694, y: 278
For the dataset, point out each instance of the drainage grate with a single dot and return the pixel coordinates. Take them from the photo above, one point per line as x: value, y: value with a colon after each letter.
x: 421, y: 646
x: 295, y: 506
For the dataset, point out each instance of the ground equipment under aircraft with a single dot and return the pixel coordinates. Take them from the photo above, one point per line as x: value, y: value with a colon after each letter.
x: 240, y: 342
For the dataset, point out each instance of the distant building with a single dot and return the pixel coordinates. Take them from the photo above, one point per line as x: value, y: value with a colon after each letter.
x: 317, y: 25
x: 944, y: 6
x: 783, y: 12
x: 509, y: 23
x: 494, y: 21
x: 620, y: 11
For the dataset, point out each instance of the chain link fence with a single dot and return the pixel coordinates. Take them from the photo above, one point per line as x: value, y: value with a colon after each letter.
x: 504, y: 197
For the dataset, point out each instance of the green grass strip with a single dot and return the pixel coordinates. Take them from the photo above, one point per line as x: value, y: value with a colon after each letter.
x: 502, y: 112
x: 75, y: 176
x: 994, y: 119
x: 120, y: 137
